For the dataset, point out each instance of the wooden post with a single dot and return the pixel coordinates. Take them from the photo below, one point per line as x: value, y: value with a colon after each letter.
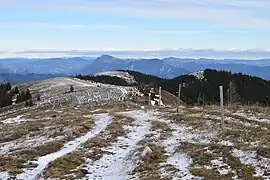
x: 230, y: 94
x: 149, y: 99
x: 179, y: 97
x: 221, y: 106
x: 159, y: 102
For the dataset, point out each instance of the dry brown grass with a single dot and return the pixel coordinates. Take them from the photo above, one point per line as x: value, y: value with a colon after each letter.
x: 92, y: 150
x: 66, y: 165
x: 13, y: 135
x: 110, y: 135
x: 149, y: 167
x: 243, y: 136
x: 12, y: 164
x: 33, y: 153
x: 202, y: 157
x: 163, y: 128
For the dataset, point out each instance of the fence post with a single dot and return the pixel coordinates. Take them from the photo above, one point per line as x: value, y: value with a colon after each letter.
x: 221, y: 106
x: 179, y: 97
x: 149, y: 99
x: 159, y: 102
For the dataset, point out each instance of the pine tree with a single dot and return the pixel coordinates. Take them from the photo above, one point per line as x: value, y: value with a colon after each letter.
x: 38, y: 97
x: 8, y: 86
x: 71, y: 89
x: 29, y: 103
x: 233, y: 96
x: 5, y: 100
x: 23, y: 96
x: 16, y: 90
x: 28, y: 95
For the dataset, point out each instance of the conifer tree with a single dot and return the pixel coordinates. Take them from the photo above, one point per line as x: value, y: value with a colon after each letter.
x: 28, y: 95
x: 29, y: 103
x: 71, y: 89
x: 233, y: 94
x: 16, y: 90
x: 8, y: 86
x: 38, y: 97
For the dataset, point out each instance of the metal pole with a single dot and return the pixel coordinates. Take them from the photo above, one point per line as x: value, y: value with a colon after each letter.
x: 221, y: 106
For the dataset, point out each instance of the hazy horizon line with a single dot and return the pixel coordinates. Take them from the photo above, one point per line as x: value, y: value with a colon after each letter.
x: 233, y: 53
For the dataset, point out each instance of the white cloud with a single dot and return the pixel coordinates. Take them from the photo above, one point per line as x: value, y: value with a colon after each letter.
x: 233, y: 13
x: 234, y: 53
x: 79, y: 27
x: 61, y: 26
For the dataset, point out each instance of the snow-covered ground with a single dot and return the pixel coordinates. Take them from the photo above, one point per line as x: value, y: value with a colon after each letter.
x: 24, y: 143
x: 178, y: 160
x: 56, y: 92
x: 102, y: 120
x: 4, y: 175
x: 199, y: 75
x: 118, y: 165
x: 192, y: 142
x: 17, y: 119
x: 124, y: 75
x: 253, y: 159
x: 252, y: 117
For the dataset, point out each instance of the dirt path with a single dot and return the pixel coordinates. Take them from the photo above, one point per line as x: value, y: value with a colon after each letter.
x: 101, y: 123
x: 118, y: 164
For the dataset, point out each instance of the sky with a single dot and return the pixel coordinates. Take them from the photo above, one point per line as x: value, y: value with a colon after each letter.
x: 129, y: 25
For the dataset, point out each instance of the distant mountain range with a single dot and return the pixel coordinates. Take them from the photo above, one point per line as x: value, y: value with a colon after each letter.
x: 23, y: 78
x: 65, y: 66
x: 156, y: 67
x: 166, y: 68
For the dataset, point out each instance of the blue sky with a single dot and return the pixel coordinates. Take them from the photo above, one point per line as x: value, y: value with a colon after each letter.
x: 134, y: 25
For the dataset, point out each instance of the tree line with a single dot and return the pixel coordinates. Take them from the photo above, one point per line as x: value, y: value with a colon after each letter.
x: 238, y: 88
x: 104, y: 79
x: 7, y: 94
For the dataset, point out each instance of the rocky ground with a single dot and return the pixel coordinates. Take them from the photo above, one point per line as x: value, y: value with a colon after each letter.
x: 124, y: 140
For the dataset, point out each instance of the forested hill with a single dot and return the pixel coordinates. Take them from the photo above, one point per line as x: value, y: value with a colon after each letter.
x: 203, y: 87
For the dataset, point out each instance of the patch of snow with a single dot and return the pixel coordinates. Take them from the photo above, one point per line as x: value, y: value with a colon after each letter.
x: 96, y: 110
x: 179, y: 160
x: 22, y: 143
x: 226, y: 143
x: 82, y: 83
x: 54, y: 92
x: 252, y: 117
x: 260, y: 164
x: 222, y: 167
x: 4, y: 176
x: 124, y: 75
x: 102, y: 120
x: 196, y: 108
x: 59, y: 111
x: 188, y: 134
x: 199, y: 75
x: 117, y: 165
x: 17, y: 119
x: 182, y: 163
